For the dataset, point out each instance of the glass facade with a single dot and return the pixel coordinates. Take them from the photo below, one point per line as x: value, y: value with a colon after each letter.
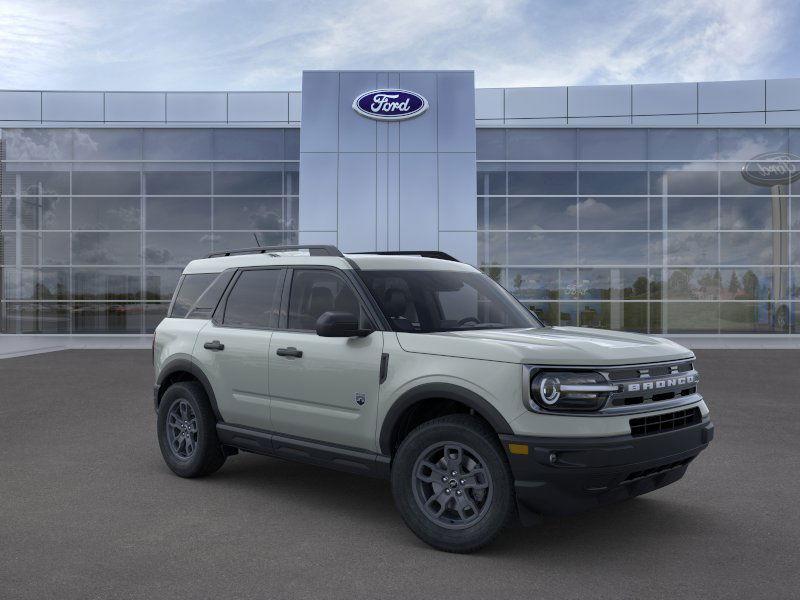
x: 97, y: 224
x: 648, y: 230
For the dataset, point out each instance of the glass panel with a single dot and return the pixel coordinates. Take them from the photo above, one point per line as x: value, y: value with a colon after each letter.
x: 291, y: 213
x: 613, y: 249
x: 174, y: 212
x: 160, y: 283
x: 248, y: 213
x: 249, y: 239
x: 8, y: 213
x: 675, y: 181
x: 754, y: 213
x: 48, y: 248
x: 547, y: 312
x: 491, y: 213
x: 36, y: 182
x: 613, y: 182
x: 44, y: 212
x: 291, y: 144
x: 48, y: 317
x: 178, y: 144
x: 542, y: 213
x: 541, y: 144
x: 106, y: 213
x: 492, y: 248
x: 490, y: 144
x: 38, y: 144
x: 692, y: 248
x: 524, y: 180
x: 107, y: 318
x: 795, y: 220
x: 612, y: 144
x: 191, y: 289
x: 547, y: 249
x: 176, y: 248
x: 629, y: 316
x: 36, y: 284
x: 491, y: 179
x: 693, y: 284
x: 118, y: 183
x: 745, y: 144
x: 107, y: 144
x: 612, y: 213
x: 753, y: 248
x: 177, y: 183
x: 754, y: 283
x: 691, y: 317
x: 291, y: 179
x: 733, y: 182
x: 105, y: 248
x: 248, y: 182
x: 613, y: 284
x: 692, y: 213
x: 154, y: 313
x: 542, y: 284
x: 106, y: 284
x: 682, y: 144
x: 746, y: 317
x: 248, y: 144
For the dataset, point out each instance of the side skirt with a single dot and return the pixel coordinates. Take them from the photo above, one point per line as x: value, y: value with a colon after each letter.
x: 341, y: 458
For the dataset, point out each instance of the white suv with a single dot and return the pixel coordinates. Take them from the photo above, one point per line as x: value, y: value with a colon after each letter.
x: 421, y: 369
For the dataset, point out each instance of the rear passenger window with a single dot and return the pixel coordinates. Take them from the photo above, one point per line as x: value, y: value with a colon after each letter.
x: 254, y: 300
x: 191, y: 286
x: 209, y: 299
x: 317, y: 292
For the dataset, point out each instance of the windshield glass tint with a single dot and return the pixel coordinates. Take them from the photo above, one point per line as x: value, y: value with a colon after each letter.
x: 427, y: 301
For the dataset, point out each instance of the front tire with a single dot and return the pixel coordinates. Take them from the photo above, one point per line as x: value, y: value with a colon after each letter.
x: 452, y: 483
x: 187, y: 431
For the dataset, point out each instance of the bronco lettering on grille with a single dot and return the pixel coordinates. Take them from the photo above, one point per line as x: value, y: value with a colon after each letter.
x: 658, y: 384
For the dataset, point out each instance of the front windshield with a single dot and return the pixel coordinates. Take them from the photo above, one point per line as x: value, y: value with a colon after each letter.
x: 429, y: 301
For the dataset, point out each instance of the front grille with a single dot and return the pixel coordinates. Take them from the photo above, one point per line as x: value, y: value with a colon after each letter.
x: 665, y: 422
x: 652, y: 383
x: 652, y: 370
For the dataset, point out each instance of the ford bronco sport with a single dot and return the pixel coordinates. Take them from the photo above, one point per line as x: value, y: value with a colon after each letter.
x: 421, y: 369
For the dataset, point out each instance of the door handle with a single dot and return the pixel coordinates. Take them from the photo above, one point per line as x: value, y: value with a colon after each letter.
x: 290, y: 351
x: 215, y: 345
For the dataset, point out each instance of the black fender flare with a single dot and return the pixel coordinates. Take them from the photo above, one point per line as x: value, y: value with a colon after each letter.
x: 184, y: 365
x: 447, y: 391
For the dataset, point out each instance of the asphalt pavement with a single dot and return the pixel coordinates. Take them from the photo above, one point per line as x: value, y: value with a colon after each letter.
x: 89, y: 510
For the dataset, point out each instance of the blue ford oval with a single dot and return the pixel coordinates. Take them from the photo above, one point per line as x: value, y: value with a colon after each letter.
x: 390, y: 105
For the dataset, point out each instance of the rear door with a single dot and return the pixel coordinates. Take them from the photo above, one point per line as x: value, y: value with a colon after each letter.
x: 324, y: 389
x: 232, y: 348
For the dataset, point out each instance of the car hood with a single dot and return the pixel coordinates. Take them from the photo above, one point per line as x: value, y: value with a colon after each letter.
x: 547, y: 346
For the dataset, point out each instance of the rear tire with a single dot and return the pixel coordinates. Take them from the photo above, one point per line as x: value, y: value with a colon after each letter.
x: 187, y: 431
x: 461, y: 512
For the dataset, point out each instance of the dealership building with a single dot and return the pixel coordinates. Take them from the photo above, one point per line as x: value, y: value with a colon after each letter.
x: 662, y: 208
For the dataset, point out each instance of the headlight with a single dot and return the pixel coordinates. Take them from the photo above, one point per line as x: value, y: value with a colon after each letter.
x: 570, y: 390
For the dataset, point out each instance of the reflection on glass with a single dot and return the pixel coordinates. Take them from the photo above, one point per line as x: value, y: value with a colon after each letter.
x: 754, y: 283
x: 105, y: 213
x: 612, y: 213
x: 106, y: 284
x: 543, y: 284
x: 492, y: 248
x: 523, y: 182
x: 693, y: 284
x: 248, y: 213
x: 117, y: 183
x: 35, y: 183
x: 177, y: 183
x: 612, y: 144
x: 107, y: 317
x: 754, y: 213
x: 692, y: 248
x: 682, y: 144
x: 692, y: 213
x: 755, y: 248
x: 630, y: 316
x: 544, y: 249
x: 613, y: 182
x: 176, y: 248
x: 491, y: 213
x: 43, y: 248
x: 248, y: 144
x: 35, y: 317
x: 154, y: 313
x: 678, y: 182
x: 613, y: 249
x: 160, y: 283
x: 44, y: 212
x: 174, y: 212
x: 490, y: 144
x: 541, y: 144
x: 491, y: 180
x: 107, y: 144
x: 541, y: 213
x: 613, y: 284
x: 250, y: 183
x: 690, y: 317
x: 748, y: 317
x: 103, y: 248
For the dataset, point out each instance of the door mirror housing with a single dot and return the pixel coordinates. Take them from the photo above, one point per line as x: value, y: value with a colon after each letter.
x: 340, y: 324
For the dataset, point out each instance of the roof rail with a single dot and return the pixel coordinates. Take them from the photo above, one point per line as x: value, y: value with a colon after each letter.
x: 423, y: 253
x: 313, y: 250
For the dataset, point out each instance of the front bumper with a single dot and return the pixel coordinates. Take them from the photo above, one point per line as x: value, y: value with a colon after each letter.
x: 561, y: 476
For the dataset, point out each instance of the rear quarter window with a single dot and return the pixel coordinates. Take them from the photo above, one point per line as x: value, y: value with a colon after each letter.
x: 195, y: 287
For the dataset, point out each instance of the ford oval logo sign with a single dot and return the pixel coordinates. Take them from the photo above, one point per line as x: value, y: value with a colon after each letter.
x: 390, y: 105
x: 772, y: 168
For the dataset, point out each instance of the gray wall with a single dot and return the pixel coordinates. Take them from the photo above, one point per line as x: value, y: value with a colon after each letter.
x: 408, y: 185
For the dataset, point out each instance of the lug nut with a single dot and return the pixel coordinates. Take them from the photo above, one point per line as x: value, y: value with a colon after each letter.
x: 462, y: 482
x: 454, y: 473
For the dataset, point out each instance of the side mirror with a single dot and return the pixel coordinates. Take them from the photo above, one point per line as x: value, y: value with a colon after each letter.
x: 340, y: 324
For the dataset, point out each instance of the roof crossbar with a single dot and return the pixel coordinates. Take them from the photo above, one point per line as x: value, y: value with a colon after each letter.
x: 423, y: 253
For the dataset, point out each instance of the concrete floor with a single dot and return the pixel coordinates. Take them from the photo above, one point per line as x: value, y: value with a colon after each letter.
x: 88, y: 509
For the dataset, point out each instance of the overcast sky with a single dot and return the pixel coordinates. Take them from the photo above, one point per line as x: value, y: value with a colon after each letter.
x: 260, y: 45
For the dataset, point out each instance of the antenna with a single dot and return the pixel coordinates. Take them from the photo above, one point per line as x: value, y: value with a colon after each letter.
x: 255, y: 235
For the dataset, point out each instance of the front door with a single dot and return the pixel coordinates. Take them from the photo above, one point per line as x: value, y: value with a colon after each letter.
x: 324, y: 389
x: 233, y: 349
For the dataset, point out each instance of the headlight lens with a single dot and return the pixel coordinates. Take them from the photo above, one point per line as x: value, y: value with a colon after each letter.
x: 570, y: 390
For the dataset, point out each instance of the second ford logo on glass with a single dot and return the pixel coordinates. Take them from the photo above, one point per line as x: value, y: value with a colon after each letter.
x: 390, y: 104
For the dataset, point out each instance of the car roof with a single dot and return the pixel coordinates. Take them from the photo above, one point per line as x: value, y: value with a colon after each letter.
x: 367, y: 262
